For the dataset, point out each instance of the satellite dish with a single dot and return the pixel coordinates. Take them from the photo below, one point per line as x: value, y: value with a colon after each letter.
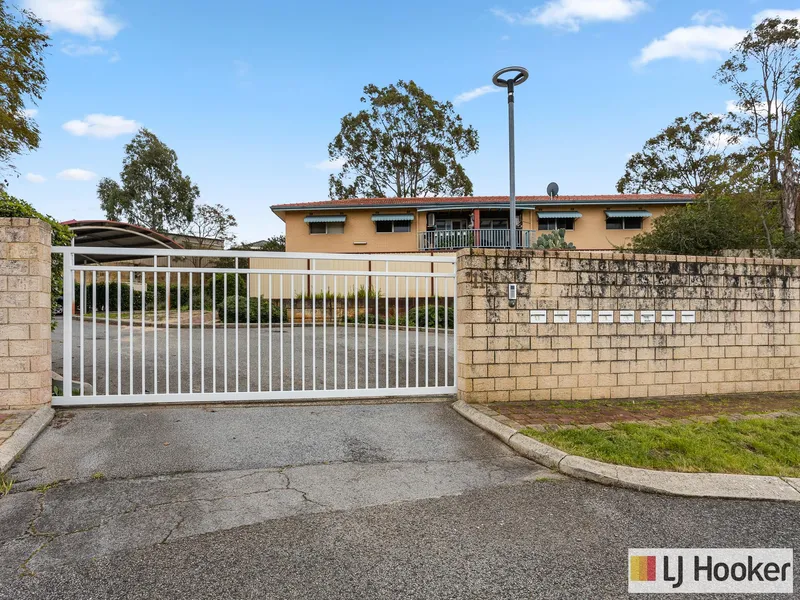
x: 552, y: 190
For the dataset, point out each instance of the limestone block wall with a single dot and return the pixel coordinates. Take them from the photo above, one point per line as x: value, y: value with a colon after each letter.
x: 745, y: 338
x: 25, y: 369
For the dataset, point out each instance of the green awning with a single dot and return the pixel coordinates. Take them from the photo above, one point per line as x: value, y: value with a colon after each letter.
x: 392, y: 217
x: 325, y: 219
x: 566, y: 214
x: 628, y: 213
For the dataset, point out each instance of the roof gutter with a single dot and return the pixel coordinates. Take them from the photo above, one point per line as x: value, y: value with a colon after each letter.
x: 521, y: 204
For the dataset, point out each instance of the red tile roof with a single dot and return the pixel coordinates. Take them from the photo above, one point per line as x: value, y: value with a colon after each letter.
x: 472, y: 200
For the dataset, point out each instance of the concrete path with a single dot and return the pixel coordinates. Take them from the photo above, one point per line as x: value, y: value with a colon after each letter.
x: 113, y: 480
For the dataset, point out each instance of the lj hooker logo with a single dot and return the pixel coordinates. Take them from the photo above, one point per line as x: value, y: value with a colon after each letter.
x: 710, y: 571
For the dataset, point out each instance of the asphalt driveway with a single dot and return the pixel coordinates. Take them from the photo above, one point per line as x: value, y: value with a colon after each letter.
x: 100, y: 481
x: 126, y: 360
x: 349, y: 501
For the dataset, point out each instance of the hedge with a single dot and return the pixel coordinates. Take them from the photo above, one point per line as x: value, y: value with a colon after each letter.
x: 269, y: 312
x: 433, y: 318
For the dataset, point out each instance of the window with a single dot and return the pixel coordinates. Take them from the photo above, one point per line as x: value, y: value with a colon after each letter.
x: 326, y: 227
x: 624, y: 222
x: 494, y: 223
x: 393, y: 226
x: 553, y: 224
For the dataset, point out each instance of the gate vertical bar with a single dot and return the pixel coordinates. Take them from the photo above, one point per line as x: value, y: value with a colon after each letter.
x: 155, y: 327
x: 248, y: 332
x: 167, y: 281
x: 119, y: 333
x: 260, y: 302
x: 236, y: 330
x: 82, y: 292
x: 202, y: 333
x: 191, y: 333
x: 69, y: 299
x: 107, y: 352
x: 281, y: 332
x: 291, y: 325
x: 345, y: 332
x: 180, y: 341
x: 335, y: 341
x: 386, y: 365
x: 455, y: 325
x: 130, y: 333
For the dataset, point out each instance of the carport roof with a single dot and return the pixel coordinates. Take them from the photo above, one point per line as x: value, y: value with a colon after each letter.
x: 114, y: 234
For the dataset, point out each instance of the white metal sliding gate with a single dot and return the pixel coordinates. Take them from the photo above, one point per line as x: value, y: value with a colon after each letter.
x: 143, y: 326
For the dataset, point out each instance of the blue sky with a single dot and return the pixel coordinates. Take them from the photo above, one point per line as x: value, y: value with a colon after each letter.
x: 249, y: 94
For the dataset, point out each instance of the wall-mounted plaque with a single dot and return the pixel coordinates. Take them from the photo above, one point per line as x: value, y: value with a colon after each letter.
x: 560, y: 316
x: 647, y: 316
x: 583, y: 316
x: 605, y: 316
x: 627, y: 316
x: 688, y: 316
x: 667, y: 316
x: 538, y: 316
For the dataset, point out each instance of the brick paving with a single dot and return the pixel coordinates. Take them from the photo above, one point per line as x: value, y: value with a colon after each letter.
x: 11, y: 420
x: 601, y: 414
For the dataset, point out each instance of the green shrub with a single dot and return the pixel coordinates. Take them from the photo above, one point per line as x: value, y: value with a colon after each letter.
x: 713, y: 225
x: 218, y: 282
x: 62, y: 236
x: 269, y: 312
x: 432, y: 318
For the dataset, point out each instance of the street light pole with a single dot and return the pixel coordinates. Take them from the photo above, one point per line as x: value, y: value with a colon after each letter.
x: 520, y: 77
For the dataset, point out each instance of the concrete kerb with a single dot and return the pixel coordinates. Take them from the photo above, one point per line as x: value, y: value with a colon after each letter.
x: 702, y: 485
x: 24, y: 436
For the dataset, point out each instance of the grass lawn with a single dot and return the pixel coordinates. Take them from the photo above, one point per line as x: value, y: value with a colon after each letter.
x: 753, y: 447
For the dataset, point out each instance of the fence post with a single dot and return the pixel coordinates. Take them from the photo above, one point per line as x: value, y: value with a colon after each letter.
x: 25, y: 352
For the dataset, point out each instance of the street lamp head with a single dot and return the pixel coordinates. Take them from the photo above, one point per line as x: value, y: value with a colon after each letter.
x: 520, y: 77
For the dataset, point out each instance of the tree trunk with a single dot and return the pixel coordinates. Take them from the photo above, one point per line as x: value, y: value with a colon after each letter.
x: 789, y: 199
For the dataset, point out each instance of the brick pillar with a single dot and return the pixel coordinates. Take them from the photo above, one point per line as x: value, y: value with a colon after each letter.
x: 25, y: 369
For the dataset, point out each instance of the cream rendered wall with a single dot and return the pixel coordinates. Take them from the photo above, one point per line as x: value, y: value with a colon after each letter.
x: 590, y: 230
x: 358, y: 227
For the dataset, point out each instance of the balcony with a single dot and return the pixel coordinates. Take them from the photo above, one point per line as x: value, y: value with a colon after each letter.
x: 474, y: 238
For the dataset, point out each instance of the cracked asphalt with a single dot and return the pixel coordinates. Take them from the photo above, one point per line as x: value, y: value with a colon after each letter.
x: 349, y: 501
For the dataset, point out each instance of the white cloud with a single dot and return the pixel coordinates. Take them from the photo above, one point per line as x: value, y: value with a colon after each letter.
x: 771, y: 13
x: 707, y: 17
x: 721, y: 141
x: 328, y: 165
x: 506, y: 16
x: 698, y: 43
x: 29, y: 113
x: 761, y: 108
x: 571, y: 14
x: 81, y: 17
x: 83, y: 50
x: 476, y: 93
x: 35, y: 178
x: 101, y: 126
x: 76, y: 175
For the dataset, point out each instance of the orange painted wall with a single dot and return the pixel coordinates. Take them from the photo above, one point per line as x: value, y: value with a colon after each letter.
x: 590, y: 230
